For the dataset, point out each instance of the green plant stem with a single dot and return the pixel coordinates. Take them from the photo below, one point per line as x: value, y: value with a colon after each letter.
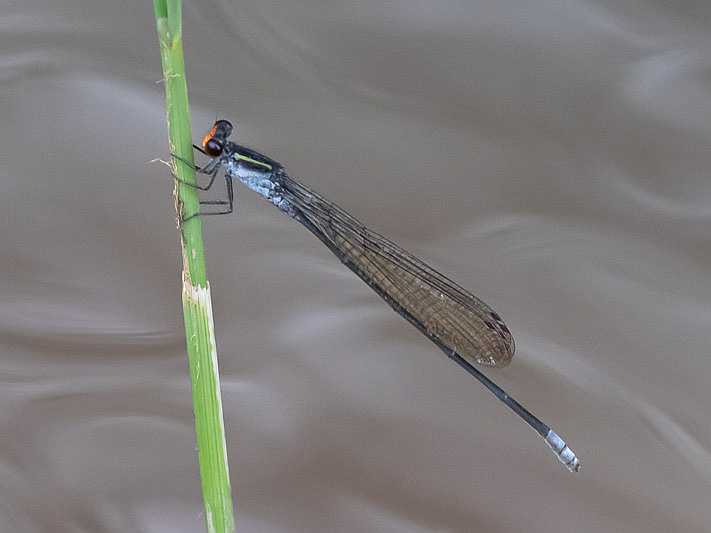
x: 197, y: 306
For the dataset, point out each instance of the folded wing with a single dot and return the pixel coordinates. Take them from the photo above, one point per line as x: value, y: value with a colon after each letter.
x: 445, y: 312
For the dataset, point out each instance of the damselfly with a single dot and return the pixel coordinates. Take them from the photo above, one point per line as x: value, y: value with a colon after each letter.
x: 466, y: 329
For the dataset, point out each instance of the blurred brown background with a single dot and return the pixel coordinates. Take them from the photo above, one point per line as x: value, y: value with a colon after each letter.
x: 553, y: 157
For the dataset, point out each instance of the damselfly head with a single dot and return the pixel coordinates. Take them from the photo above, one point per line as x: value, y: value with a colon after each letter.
x: 214, y: 140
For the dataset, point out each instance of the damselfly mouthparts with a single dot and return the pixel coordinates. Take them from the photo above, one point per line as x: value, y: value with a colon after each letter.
x: 465, y: 328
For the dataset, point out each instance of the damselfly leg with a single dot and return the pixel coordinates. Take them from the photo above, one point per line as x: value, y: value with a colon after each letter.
x: 212, y: 172
x: 229, y: 202
x: 200, y: 170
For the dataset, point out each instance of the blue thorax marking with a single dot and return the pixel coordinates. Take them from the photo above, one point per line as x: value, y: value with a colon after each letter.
x: 257, y: 172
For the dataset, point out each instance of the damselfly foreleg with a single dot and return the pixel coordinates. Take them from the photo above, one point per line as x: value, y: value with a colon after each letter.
x: 200, y: 170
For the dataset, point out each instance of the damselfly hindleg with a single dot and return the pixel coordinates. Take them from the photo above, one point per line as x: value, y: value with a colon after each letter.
x: 229, y: 203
